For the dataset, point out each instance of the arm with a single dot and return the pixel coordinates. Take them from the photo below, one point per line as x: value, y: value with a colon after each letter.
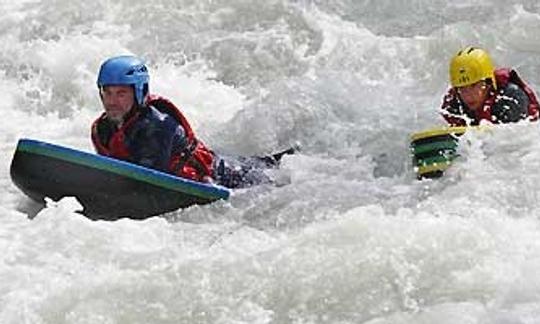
x: 511, y: 104
x: 153, y: 139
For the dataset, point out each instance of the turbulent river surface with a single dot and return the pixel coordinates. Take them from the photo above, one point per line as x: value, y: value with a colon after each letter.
x: 352, y: 238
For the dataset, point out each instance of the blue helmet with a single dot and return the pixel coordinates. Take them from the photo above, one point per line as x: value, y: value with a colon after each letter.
x: 125, y: 70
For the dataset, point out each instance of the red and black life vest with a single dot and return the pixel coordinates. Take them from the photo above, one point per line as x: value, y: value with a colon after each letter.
x: 502, y: 76
x: 194, y: 162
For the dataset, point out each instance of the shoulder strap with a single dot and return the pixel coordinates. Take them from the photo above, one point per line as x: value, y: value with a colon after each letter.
x: 166, y: 106
x: 502, y: 77
x: 195, y: 154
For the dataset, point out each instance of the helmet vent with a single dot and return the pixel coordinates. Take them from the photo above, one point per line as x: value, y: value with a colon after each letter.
x: 137, y: 69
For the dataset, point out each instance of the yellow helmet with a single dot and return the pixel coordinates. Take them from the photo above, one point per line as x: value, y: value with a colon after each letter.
x: 469, y: 66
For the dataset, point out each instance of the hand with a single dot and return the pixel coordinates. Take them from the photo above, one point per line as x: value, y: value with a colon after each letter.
x: 208, y: 179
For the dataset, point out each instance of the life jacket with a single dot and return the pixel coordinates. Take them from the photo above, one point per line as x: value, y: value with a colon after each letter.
x: 116, y: 146
x: 503, y: 76
x: 194, y: 162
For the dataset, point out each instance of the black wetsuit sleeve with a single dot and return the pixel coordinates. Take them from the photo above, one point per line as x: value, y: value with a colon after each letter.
x: 511, y: 105
x: 153, y: 142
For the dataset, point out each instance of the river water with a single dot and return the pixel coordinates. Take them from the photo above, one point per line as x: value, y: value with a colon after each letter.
x: 353, y: 237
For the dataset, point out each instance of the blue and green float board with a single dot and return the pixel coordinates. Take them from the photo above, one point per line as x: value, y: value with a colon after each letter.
x: 107, y: 188
x: 434, y: 150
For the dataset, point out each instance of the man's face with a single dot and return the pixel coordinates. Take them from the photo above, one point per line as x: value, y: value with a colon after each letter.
x: 117, y: 101
x: 474, y: 95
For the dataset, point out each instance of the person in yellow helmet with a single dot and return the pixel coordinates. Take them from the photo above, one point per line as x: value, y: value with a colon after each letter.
x: 479, y: 92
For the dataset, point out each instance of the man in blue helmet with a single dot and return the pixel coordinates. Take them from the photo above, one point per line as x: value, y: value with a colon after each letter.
x: 151, y: 131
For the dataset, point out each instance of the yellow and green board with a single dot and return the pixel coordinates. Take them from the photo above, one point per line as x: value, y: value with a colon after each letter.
x: 434, y: 150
